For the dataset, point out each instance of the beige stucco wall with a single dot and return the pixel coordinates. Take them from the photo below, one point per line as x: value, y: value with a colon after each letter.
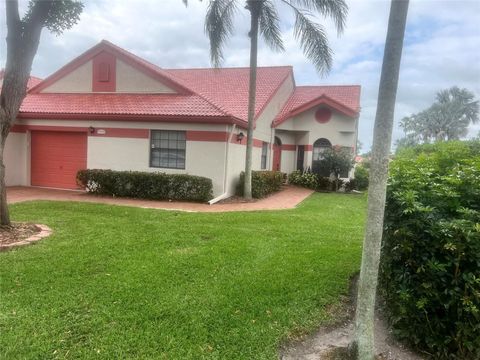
x: 203, y: 158
x: 77, y: 81
x: 16, y: 158
x: 288, y: 160
x: 263, y: 130
x: 130, y: 80
x: 340, y: 130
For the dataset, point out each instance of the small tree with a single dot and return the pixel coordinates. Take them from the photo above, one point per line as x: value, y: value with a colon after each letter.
x: 23, y: 38
x: 337, y: 160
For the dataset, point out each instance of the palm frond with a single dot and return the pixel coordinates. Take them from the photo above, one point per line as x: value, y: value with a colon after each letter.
x: 313, y: 40
x: 337, y: 10
x: 269, y: 23
x: 219, y: 26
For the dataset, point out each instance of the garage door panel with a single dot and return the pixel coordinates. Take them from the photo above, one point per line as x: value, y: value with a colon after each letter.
x: 56, y: 158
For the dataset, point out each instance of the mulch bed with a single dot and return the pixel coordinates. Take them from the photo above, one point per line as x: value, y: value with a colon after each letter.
x: 19, y: 234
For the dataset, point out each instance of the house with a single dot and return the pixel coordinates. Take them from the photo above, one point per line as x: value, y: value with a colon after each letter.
x: 109, y: 109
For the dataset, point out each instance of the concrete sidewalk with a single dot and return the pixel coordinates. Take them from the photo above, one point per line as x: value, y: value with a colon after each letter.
x: 288, y: 198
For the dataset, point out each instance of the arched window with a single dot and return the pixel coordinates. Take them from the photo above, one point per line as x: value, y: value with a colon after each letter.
x: 319, y: 147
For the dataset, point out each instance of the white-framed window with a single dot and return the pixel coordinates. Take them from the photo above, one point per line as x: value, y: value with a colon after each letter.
x: 167, y: 149
x: 263, y: 164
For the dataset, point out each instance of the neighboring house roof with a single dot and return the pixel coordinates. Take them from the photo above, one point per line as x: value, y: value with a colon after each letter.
x: 32, y: 81
x: 343, y: 98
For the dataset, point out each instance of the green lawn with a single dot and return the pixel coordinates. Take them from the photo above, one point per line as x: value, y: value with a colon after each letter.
x: 119, y: 282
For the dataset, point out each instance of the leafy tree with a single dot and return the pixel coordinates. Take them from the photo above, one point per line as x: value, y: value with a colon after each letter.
x: 382, y: 139
x: 23, y: 38
x: 265, y: 21
x: 337, y: 160
x: 447, y: 119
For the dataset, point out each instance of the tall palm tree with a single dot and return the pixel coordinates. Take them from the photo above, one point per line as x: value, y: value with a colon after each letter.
x: 264, y: 20
x: 382, y: 140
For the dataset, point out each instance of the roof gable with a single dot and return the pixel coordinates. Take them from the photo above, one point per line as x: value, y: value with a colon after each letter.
x: 109, y: 50
x: 344, y: 99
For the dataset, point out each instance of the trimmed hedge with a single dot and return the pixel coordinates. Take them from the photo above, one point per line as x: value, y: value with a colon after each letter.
x: 145, y: 185
x: 263, y: 183
x: 361, y: 177
x: 430, y: 266
x: 315, y: 182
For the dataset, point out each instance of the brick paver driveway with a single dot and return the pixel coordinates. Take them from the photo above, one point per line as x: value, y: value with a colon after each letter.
x: 287, y: 198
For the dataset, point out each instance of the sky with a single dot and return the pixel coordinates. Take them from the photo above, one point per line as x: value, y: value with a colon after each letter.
x: 441, y: 46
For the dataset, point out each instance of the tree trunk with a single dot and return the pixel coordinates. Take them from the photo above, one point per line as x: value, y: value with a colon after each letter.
x: 23, y: 38
x: 254, y: 7
x: 378, y: 180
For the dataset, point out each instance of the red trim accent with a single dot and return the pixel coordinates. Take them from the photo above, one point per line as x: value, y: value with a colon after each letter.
x: 220, y: 136
x: 55, y: 128
x: 104, y: 72
x: 122, y: 133
x: 18, y: 129
x: 256, y: 142
x: 136, y: 117
x: 119, y: 53
x: 323, y: 115
x: 308, y: 147
x: 288, y: 147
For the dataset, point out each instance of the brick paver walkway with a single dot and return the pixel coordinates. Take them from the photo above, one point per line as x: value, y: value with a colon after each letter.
x: 287, y: 198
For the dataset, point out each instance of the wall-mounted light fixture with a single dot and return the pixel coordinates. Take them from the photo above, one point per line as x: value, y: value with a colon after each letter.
x: 91, y: 130
x: 240, y: 136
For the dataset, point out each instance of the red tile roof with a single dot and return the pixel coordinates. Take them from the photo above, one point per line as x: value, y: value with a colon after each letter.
x: 119, y: 104
x: 227, y: 88
x: 202, y: 93
x: 345, y: 98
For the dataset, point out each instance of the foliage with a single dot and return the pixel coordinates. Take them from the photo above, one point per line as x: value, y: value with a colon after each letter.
x: 337, y: 160
x: 219, y: 26
x: 120, y: 282
x: 361, y: 177
x: 145, y: 185
x: 305, y: 179
x: 447, y: 118
x: 315, y: 182
x: 263, y: 183
x: 431, y: 252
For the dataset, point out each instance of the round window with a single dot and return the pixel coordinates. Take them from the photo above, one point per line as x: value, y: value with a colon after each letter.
x: 323, y: 115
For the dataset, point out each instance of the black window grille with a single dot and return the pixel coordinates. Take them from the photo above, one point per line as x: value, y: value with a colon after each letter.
x: 167, y: 149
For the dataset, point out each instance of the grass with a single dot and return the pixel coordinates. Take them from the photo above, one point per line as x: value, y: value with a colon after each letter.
x: 118, y: 282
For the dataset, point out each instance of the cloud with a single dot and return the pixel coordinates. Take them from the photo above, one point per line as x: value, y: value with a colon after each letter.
x: 441, y: 46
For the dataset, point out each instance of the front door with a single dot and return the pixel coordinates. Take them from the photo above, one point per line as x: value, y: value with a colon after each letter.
x: 277, y: 154
x: 300, y: 157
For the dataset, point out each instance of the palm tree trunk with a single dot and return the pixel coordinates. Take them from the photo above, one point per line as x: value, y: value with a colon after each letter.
x: 254, y: 7
x: 382, y: 139
x: 4, y: 214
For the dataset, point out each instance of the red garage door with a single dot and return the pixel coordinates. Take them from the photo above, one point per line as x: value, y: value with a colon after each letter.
x: 56, y: 157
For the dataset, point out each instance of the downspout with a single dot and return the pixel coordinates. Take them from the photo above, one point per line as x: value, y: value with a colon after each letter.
x: 227, y: 148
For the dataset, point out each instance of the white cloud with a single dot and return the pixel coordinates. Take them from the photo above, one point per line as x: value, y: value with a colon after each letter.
x: 441, y: 46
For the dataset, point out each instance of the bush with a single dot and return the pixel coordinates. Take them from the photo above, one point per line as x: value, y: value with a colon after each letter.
x: 305, y: 179
x: 263, y: 183
x: 145, y: 185
x: 361, y: 178
x: 430, y: 267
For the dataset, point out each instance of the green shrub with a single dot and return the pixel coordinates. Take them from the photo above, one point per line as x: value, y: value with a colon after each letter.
x: 305, y: 179
x: 361, y: 178
x: 430, y: 267
x: 145, y: 185
x: 263, y: 183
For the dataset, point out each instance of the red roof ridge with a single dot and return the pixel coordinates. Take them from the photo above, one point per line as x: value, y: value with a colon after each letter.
x: 316, y: 86
x: 230, y: 68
